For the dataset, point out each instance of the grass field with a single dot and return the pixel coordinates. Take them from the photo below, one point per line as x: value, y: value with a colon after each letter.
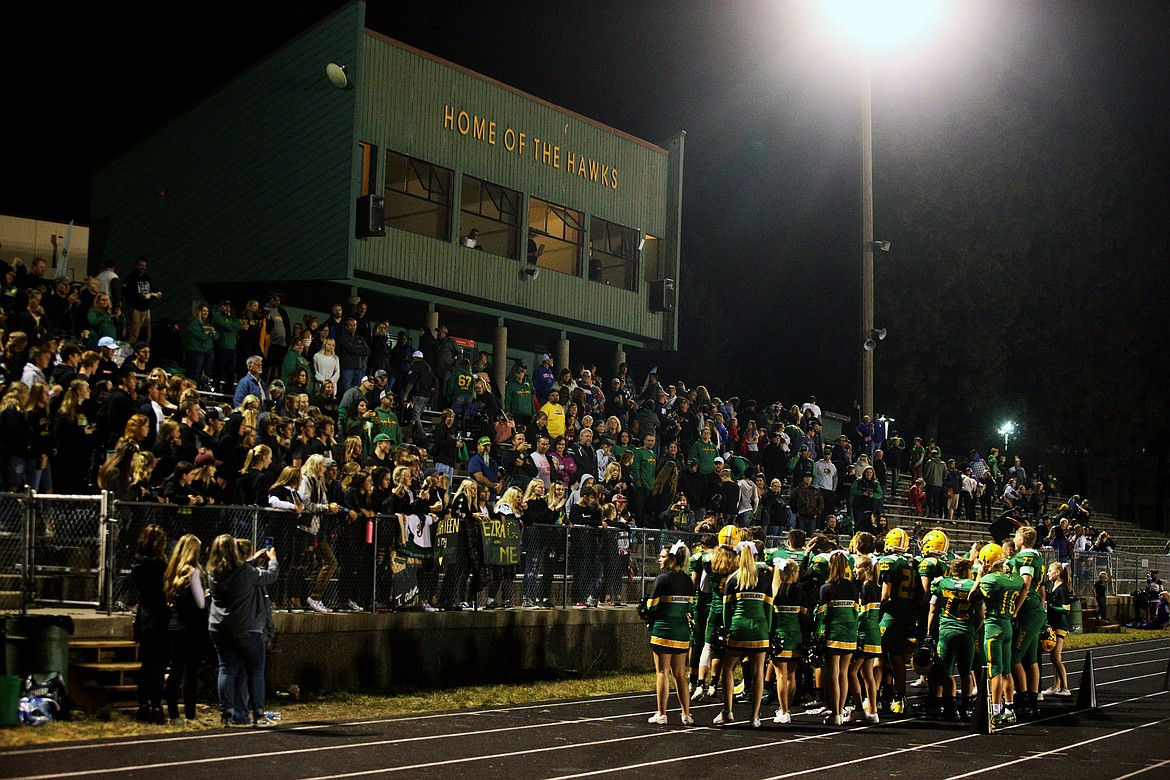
x: 354, y: 706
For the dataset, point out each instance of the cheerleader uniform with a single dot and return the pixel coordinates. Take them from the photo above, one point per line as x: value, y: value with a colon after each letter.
x: 1059, y: 607
x: 790, y: 620
x: 670, y: 606
x: 837, y: 616
x: 869, y: 619
x: 747, y: 612
x: 700, y: 563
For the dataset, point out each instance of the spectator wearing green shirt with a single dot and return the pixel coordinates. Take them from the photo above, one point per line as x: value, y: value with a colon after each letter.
x: 103, y: 319
x: 294, y: 359
x: 199, y: 339
x: 387, y: 421
x: 643, y: 471
x: 226, y: 325
x: 705, y: 451
x: 518, y: 396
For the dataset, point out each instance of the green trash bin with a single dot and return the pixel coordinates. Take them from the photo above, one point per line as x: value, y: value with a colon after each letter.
x: 35, y: 644
x: 9, y: 700
x: 1076, y: 625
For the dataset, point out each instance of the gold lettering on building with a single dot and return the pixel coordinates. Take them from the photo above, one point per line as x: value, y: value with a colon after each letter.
x: 486, y: 130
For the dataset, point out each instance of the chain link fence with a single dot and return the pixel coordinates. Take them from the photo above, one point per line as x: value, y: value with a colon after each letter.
x: 13, y: 550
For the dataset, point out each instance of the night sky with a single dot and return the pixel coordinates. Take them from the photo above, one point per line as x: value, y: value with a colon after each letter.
x: 1021, y: 166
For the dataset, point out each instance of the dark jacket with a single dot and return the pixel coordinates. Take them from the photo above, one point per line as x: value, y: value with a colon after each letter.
x: 153, y: 615
x: 238, y: 603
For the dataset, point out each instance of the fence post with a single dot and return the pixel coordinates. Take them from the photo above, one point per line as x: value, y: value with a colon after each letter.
x: 374, y: 564
x: 28, y: 576
x: 103, y: 546
x: 642, y: 568
x: 565, y: 570
x: 113, y: 531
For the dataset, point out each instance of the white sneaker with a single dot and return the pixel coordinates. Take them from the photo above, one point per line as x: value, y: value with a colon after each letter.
x: 724, y: 719
x: 755, y: 723
x: 710, y: 691
x: 873, y: 717
x: 688, y: 720
x: 782, y: 717
x: 658, y: 720
x: 698, y: 693
x: 918, y: 683
x: 1040, y: 696
x: 317, y: 606
x: 352, y: 606
x: 847, y: 713
x: 816, y: 711
x: 1064, y: 692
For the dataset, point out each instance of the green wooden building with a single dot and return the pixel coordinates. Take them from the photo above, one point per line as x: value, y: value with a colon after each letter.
x: 368, y: 180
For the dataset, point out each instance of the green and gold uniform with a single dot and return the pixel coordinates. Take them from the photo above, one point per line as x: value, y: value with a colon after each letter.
x: 670, y: 604
x: 716, y: 583
x: 698, y: 560
x: 869, y: 618
x: 837, y: 616
x: 898, y: 611
x: 1030, y: 619
x: 1001, y: 592
x: 790, y: 621
x: 747, y: 612
x: 956, y: 625
x: 1059, y: 606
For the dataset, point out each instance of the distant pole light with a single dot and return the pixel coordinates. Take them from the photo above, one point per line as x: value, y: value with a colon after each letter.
x: 1006, y: 430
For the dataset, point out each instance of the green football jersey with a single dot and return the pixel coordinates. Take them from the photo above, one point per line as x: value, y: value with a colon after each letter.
x: 1001, y: 591
x: 1030, y: 562
x: 898, y: 571
x: 955, y: 609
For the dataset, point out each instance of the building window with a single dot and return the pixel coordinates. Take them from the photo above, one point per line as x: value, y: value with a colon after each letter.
x: 613, y: 254
x: 418, y: 196
x: 555, y: 236
x: 494, y: 212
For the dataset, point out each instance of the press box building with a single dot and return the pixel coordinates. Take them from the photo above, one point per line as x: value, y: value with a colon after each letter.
x: 347, y: 163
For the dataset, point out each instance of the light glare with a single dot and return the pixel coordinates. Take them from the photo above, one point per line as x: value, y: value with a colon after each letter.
x: 882, y: 24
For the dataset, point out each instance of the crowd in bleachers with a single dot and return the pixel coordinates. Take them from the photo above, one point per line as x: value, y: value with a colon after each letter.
x: 96, y: 397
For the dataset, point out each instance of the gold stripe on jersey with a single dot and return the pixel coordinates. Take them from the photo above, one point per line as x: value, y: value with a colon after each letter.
x: 677, y: 599
x: 833, y: 644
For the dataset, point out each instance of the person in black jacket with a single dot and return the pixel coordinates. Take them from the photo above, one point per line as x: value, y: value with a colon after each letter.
x: 152, y: 621
x: 185, y: 587
x: 239, y: 615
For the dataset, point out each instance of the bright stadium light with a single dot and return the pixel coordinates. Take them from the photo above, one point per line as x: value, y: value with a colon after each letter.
x: 882, y: 24
x: 1006, y: 430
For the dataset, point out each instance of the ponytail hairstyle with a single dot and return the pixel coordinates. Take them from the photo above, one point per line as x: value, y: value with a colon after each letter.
x: 1061, y: 572
x: 679, y: 554
x: 748, y: 574
x: 784, y: 576
x: 255, y: 455
x: 838, y: 566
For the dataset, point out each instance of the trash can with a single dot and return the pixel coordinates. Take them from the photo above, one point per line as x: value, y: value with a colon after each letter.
x: 1075, y: 624
x: 9, y: 700
x: 35, y: 644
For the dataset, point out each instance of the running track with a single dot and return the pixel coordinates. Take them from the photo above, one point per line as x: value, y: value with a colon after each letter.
x: 1127, y: 736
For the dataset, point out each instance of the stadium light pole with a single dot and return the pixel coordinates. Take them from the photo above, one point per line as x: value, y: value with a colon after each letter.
x: 869, y: 25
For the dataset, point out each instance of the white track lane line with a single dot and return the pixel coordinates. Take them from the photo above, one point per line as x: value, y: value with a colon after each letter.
x: 679, y: 759
x: 316, y: 726
x: 1060, y: 749
x: 1143, y: 771
x: 355, y: 745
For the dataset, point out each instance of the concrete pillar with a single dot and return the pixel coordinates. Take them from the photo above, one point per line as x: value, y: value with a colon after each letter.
x: 433, y: 320
x: 500, y: 357
x: 619, y: 357
x: 562, y: 352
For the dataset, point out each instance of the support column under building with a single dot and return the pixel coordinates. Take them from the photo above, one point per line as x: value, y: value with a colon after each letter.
x: 619, y: 357
x: 500, y: 357
x: 562, y: 353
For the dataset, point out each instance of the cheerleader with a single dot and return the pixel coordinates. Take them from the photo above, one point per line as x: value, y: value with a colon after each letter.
x: 668, y: 610
x: 863, y: 671
x: 700, y: 661
x: 1058, y: 611
x: 790, y: 619
x: 747, y: 614
x: 717, y: 567
x: 836, y: 626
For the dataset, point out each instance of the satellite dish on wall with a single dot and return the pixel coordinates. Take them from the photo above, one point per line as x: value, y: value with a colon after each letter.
x: 337, y: 75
